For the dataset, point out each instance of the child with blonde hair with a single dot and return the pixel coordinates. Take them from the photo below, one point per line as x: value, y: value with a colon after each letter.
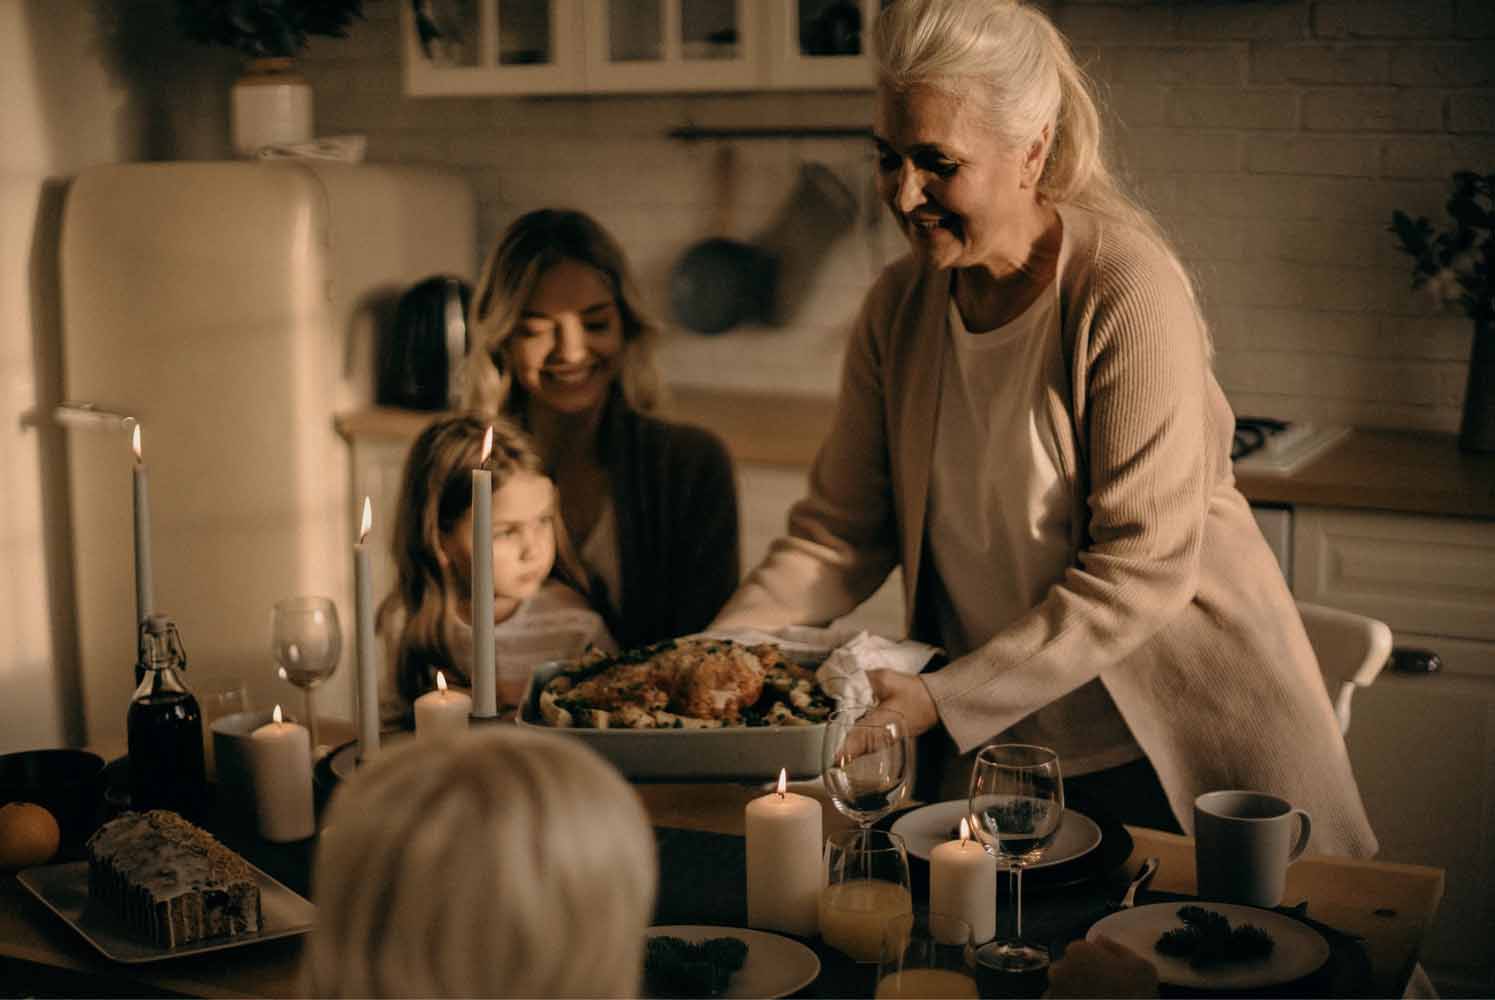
x: 539, y: 610
x: 503, y: 862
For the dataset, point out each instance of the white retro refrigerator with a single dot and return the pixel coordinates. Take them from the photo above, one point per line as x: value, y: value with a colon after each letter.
x: 232, y: 309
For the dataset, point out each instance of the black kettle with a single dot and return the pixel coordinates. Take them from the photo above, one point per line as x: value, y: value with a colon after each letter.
x: 420, y: 356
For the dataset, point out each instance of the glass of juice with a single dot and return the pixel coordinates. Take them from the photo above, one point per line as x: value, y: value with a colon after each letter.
x: 926, y: 954
x: 866, y: 884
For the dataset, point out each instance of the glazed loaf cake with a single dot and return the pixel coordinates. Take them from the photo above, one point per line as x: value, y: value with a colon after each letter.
x: 171, y: 881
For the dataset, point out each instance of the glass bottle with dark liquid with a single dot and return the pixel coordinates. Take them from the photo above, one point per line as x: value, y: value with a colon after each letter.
x: 165, y: 726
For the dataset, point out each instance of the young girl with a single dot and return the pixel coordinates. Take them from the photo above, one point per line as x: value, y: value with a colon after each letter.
x: 537, y: 610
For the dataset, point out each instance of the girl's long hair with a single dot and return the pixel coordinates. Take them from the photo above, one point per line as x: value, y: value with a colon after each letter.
x: 533, y: 244
x: 435, y: 493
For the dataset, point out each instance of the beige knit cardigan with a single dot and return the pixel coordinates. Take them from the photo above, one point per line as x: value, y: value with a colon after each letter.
x: 1174, y: 600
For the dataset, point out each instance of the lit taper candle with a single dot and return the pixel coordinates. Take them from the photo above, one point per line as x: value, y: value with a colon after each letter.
x: 144, y: 604
x: 484, y: 681
x: 368, y: 672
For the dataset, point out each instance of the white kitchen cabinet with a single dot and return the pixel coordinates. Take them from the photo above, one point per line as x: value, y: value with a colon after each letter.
x: 1422, y: 745
x: 673, y: 45
x: 496, y: 47
x: 551, y: 47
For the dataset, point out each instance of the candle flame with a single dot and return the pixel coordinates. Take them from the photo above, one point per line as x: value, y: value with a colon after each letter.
x: 783, y: 781
x: 487, y: 445
x: 277, y: 716
x: 135, y: 443
x: 965, y: 831
x: 441, y: 682
x: 368, y: 520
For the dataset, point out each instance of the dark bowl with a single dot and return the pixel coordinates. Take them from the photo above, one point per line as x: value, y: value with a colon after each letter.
x: 68, y: 783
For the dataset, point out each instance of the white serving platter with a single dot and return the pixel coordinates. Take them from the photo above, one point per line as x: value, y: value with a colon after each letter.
x: 63, y: 889
x: 732, y: 753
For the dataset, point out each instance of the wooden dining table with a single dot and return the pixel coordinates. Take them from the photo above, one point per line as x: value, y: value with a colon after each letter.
x: 1384, y: 906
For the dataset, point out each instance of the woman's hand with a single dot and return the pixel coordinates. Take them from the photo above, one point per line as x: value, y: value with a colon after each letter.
x: 1102, y: 968
x: 906, y: 695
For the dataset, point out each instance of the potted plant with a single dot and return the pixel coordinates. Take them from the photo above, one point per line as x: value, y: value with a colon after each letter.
x: 1458, y: 265
x: 271, y: 101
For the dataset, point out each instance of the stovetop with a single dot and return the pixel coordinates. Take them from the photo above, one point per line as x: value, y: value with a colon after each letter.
x: 1279, y: 447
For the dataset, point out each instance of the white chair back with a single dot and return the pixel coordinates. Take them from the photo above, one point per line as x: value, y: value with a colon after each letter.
x: 1351, y: 649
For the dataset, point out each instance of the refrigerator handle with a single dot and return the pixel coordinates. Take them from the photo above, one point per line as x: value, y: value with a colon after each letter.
x: 80, y: 414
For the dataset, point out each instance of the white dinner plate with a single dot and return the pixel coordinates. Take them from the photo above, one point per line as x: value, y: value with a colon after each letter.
x: 775, y: 965
x: 63, y: 889
x: 1298, y: 949
x: 927, y: 826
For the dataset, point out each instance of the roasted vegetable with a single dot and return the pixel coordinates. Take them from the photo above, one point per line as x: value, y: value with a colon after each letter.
x: 1207, y: 939
x: 674, y: 967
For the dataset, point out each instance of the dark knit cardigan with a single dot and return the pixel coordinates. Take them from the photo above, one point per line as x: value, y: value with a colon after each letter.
x: 675, y: 493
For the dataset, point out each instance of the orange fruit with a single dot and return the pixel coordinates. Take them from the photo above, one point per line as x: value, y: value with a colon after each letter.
x: 28, y: 835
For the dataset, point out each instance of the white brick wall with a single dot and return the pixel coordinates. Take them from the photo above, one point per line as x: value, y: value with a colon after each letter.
x: 1273, y: 137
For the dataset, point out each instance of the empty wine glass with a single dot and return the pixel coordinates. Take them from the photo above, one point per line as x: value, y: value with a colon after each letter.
x: 1016, y: 804
x: 864, y: 763
x: 306, y: 640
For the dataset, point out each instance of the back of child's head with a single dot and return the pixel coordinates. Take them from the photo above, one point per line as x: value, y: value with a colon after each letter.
x: 504, y: 862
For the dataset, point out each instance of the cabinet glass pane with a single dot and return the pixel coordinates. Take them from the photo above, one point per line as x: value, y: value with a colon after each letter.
x: 830, y: 28
x: 448, y: 31
x: 633, y: 30
x: 709, y: 30
x: 524, y: 32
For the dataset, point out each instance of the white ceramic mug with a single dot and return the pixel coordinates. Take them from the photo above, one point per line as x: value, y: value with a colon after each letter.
x: 1243, y: 843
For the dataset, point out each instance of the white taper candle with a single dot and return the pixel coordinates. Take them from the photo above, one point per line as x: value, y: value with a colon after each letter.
x: 484, y: 679
x: 368, y: 671
x: 144, y: 603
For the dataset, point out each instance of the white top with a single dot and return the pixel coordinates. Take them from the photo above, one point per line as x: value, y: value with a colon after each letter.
x: 555, y: 624
x: 599, y: 557
x: 1000, y: 514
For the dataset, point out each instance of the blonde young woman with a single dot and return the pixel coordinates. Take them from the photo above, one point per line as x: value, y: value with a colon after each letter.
x: 562, y: 346
x: 476, y: 867
x: 539, y: 610
x: 1029, y: 425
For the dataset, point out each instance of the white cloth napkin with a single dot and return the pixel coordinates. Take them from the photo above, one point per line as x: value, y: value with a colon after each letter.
x: 346, y: 148
x: 845, y: 656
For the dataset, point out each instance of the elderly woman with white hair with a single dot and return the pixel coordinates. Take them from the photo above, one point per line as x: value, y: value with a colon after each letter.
x: 1029, y: 426
x: 457, y: 867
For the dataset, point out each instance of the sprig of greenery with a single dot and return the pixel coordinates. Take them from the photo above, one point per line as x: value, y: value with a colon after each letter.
x: 1457, y: 264
x: 265, y: 28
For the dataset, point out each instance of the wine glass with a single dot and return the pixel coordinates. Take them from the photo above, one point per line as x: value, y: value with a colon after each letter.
x: 306, y: 640
x: 865, y: 762
x: 1016, y: 804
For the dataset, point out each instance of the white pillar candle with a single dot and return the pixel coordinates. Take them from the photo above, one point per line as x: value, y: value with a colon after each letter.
x: 963, y: 883
x: 143, y: 575
x: 280, y: 769
x: 784, y: 867
x: 440, y: 712
x: 368, y: 670
x: 484, y: 680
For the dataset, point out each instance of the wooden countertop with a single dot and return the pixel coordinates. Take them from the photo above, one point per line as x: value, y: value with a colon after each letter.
x: 1413, y: 472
